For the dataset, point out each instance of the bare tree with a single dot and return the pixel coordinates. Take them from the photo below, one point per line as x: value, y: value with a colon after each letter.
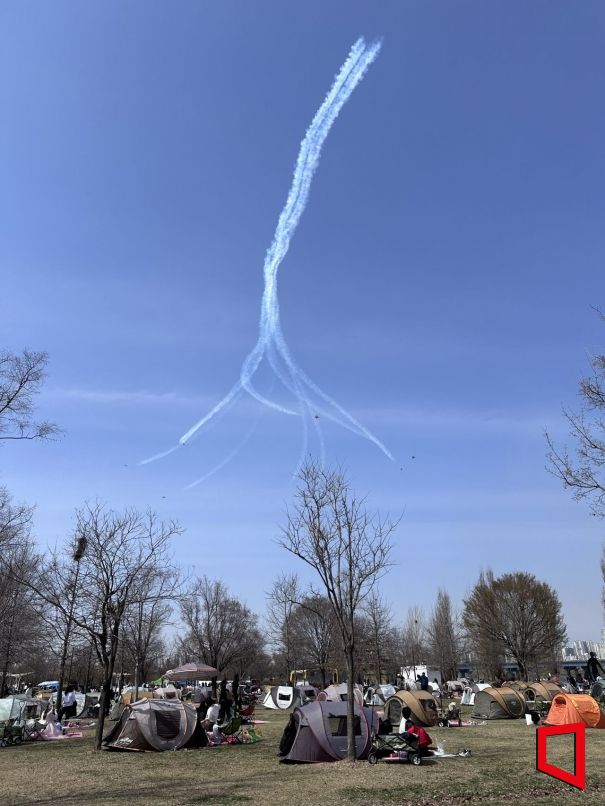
x: 282, y: 600
x: 585, y: 475
x: 445, y: 642
x: 119, y: 548
x: 148, y: 613
x: 61, y: 619
x: 330, y: 530
x: 603, y: 575
x: 221, y: 631
x: 517, y: 613
x: 21, y: 377
x: 413, y: 639
x: 15, y: 523
x: 21, y: 630
x: 313, y: 633
x: 18, y: 620
x: 487, y: 657
x: 379, y: 620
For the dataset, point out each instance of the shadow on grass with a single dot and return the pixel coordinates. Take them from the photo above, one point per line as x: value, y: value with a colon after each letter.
x: 186, y: 794
x: 454, y: 796
x: 218, y: 797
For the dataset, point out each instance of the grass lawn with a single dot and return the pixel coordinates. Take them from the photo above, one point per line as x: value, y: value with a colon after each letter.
x: 501, y: 770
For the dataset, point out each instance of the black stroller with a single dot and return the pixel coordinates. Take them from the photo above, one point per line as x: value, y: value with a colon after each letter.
x: 403, y: 746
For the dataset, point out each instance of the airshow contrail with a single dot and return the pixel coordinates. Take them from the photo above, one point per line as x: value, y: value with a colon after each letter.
x: 310, y: 400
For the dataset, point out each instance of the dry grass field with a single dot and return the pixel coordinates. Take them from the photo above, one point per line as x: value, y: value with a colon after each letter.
x: 501, y: 770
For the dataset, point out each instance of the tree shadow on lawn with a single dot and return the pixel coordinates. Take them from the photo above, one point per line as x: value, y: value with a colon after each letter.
x: 182, y: 793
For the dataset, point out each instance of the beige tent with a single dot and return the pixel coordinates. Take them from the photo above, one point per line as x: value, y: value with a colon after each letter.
x: 422, y: 704
x: 541, y: 692
x: 499, y: 703
x: 156, y: 725
x: 518, y: 685
x: 468, y: 695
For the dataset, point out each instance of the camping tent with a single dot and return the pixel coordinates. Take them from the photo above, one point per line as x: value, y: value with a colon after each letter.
x: 518, y: 685
x: 20, y: 708
x: 421, y: 703
x: 378, y: 695
x: 86, y: 704
x: 499, y: 703
x: 337, y: 692
x: 318, y: 732
x: 168, y: 692
x: 541, y: 692
x: 309, y: 692
x: 455, y: 685
x: 284, y: 697
x: 90, y: 705
x: 468, y: 694
x: 568, y: 709
x: 154, y: 725
x: 127, y: 695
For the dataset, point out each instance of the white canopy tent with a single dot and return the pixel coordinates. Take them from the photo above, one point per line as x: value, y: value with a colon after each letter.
x: 191, y: 671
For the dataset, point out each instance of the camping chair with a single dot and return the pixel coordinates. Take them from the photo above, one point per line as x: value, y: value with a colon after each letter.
x: 247, y: 713
x: 231, y: 726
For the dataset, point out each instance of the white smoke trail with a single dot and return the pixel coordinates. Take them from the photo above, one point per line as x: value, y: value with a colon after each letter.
x: 271, y: 345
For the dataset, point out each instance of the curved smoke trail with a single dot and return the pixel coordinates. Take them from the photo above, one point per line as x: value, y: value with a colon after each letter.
x: 271, y: 344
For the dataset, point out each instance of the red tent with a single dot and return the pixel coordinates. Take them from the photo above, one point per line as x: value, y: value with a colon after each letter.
x: 568, y: 709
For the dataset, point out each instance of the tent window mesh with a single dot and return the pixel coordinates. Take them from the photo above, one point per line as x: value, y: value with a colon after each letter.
x: 338, y: 725
x: 395, y: 712
x: 168, y: 724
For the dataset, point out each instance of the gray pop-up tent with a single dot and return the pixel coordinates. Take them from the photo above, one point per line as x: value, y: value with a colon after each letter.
x: 318, y: 732
x: 286, y: 697
x: 499, y: 703
x: 155, y: 725
x: 338, y: 692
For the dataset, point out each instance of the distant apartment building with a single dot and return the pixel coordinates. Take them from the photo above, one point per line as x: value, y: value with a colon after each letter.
x: 580, y: 650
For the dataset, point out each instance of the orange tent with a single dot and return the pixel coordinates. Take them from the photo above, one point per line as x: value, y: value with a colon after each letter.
x: 568, y: 709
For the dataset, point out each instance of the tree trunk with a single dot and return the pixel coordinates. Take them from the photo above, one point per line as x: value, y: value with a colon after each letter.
x: 88, y: 665
x: 104, y: 702
x: 9, y: 646
x: 65, y: 647
x: 105, y: 699
x: 62, y: 665
x: 351, y: 750
x: 137, y: 666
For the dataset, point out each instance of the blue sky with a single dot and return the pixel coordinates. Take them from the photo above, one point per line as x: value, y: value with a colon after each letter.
x: 439, y: 286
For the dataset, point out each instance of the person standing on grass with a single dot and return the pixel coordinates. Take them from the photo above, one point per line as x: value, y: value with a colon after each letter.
x: 68, y: 704
x: 592, y: 668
